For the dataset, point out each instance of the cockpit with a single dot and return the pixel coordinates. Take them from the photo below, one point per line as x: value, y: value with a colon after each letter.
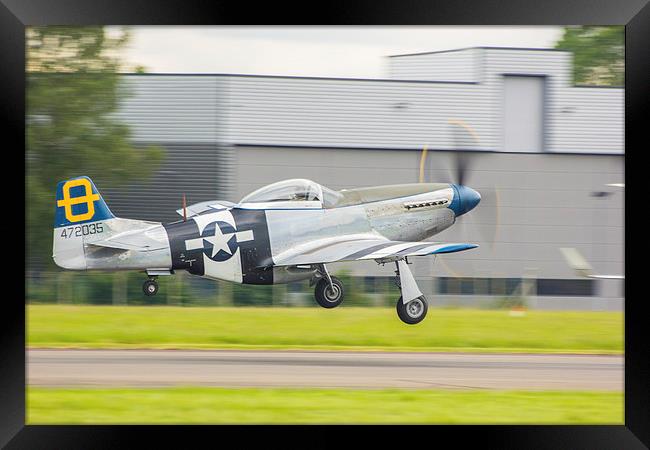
x: 294, y: 193
x: 300, y: 193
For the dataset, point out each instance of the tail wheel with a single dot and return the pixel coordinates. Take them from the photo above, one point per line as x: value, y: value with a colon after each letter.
x: 412, y: 312
x: 150, y: 287
x: 329, y: 297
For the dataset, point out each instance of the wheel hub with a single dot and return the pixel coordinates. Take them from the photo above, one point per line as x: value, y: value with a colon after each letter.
x: 332, y: 293
x: 414, y: 308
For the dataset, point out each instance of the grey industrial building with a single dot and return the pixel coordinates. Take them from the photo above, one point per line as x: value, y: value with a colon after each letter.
x: 544, y: 147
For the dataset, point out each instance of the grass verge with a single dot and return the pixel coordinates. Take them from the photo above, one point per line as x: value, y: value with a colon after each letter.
x: 315, y: 328
x: 183, y: 405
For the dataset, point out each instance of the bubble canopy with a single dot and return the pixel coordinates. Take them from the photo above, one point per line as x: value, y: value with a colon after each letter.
x: 294, y: 190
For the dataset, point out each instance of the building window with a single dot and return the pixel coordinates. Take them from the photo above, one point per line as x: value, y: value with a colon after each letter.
x: 554, y: 287
x: 460, y: 286
x: 513, y: 286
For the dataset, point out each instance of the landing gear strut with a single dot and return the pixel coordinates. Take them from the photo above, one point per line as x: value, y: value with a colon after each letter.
x: 414, y: 309
x: 150, y: 287
x: 329, y: 290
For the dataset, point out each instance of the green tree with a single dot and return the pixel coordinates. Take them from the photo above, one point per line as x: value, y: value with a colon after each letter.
x: 73, y: 87
x: 598, y: 54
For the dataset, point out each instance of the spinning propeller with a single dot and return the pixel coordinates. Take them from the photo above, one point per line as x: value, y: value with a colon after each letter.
x: 487, y: 213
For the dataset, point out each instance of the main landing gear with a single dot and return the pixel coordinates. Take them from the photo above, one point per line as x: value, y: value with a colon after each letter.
x: 329, y: 293
x: 412, y: 312
x: 329, y: 289
x: 415, y: 308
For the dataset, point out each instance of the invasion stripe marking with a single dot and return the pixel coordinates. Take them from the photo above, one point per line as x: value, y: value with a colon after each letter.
x: 415, y: 248
x: 383, y: 253
x: 367, y: 251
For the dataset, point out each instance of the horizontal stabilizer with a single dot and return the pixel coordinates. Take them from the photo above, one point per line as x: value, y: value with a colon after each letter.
x: 123, y: 246
x: 137, y: 240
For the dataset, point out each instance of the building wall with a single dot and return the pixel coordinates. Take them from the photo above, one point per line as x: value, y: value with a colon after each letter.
x: 172, y: 108
x: 184, y: 115
x: 533, y: 204
x: 192, y: 169
x: 227, y: 135
x: 587, y: 117
x: 454, y: 65
x: 202, y: 162
x: 348, y: 113
x: 351, y: 113
x: 578, y: 119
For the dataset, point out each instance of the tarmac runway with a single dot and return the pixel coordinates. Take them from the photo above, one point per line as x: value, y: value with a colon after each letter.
x: 369, y: 370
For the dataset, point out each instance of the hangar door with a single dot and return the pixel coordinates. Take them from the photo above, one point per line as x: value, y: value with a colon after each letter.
x: 523, y: 118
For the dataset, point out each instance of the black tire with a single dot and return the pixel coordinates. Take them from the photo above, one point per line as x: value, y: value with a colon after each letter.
x: 150, y: 287
x: 324, y: 295
x: 416, y: 313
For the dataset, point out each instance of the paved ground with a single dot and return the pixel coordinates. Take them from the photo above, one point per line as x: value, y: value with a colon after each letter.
x: 322, y: 369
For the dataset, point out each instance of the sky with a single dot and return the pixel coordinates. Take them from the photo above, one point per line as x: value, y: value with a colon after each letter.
x: 326, y: 51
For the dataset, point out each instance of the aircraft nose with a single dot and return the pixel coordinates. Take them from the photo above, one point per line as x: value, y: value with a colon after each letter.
x: 465, y: 199
x: 470, y: 198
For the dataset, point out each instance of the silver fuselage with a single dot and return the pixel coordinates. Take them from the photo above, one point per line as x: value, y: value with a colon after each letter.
x: 241, y: 243
x: 387, y: 218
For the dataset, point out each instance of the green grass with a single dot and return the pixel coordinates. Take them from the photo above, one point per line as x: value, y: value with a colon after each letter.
x: 182, y: 405
x: 316, y: 328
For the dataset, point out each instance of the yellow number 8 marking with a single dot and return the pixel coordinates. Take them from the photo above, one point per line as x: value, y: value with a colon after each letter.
x: 88, y: 198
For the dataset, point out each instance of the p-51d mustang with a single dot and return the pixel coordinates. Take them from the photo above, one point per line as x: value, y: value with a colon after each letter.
x: 284, y: 232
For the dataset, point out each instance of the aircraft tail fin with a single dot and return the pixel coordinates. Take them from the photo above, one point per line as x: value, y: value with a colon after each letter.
x: 78, y: 208
x: 77, y: 202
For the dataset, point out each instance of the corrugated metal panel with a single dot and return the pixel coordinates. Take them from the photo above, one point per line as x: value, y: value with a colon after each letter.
x: 353, y: 113
x: 382, y: 114
x: 577, y: 119
x: 185, y: 116
x: 545, y: 203
x: 198, y: 170
x: 588, y: 119
x: 555, y: 64
x: 171, y: 108
x: 455, y: 65
x: 293, y: 111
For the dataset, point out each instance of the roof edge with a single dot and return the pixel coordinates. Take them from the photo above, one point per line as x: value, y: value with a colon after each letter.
x: 293, y: 77
x: 480, y: 47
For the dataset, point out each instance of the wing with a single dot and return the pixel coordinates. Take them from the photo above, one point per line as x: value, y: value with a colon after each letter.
x: 360, y: 247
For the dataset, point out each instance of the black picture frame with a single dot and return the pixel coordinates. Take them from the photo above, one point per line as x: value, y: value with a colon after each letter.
x: 634, y: 14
